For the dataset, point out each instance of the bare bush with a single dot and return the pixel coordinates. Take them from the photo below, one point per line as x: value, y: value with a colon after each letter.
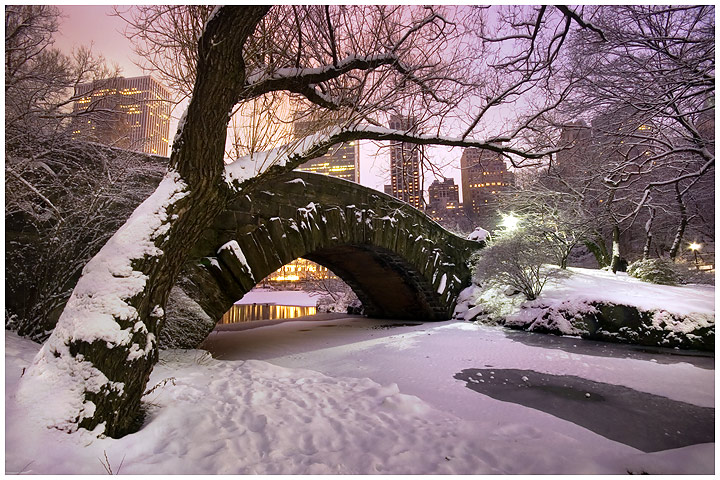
x: 517, y: 261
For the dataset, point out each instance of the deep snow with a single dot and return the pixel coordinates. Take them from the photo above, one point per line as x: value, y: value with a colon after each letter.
x: 355, y: 395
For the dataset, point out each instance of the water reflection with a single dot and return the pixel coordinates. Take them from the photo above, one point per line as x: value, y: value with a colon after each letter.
x: 264, y: 311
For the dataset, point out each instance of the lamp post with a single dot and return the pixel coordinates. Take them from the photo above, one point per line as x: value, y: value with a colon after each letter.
x: 695, y: 247
x: 509, y: 222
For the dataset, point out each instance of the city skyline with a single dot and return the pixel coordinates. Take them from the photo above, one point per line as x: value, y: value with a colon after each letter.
x: 83, y: 25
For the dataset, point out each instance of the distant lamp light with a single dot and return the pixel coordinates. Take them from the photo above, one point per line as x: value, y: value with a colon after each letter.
x: 509, y: 222
x: 694, y: 246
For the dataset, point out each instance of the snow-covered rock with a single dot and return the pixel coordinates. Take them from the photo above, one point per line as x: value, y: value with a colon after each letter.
x: 479, y: 235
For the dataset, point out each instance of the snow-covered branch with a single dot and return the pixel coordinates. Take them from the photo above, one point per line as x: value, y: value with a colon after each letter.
x: 292, y: 155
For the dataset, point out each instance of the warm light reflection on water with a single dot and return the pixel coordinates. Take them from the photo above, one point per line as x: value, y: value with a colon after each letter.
x: 248, y: 313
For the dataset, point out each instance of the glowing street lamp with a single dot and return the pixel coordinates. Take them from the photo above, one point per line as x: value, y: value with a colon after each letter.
x: 694, y: 246
x: 509, y: 222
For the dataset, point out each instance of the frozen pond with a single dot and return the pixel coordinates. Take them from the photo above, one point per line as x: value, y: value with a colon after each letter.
x: 338, y: 394
x: 651, y: 399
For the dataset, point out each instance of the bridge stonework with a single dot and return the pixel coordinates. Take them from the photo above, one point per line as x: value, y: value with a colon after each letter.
x: 398, y: 261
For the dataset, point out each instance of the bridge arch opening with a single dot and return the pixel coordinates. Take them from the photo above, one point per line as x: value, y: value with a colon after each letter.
x: 386, y: 284
x: 300, y: 288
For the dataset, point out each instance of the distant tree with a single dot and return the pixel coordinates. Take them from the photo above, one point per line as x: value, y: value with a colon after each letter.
x: 648, y: 88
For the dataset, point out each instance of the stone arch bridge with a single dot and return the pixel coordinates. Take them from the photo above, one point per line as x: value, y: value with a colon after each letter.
x: 399, y: 262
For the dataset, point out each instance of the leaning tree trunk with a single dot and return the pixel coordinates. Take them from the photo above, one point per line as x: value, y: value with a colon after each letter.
x: 93, y: 370
x: 599, y: 250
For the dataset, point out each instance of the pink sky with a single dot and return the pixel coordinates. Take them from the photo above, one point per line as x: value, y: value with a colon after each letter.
x: 83, y: 25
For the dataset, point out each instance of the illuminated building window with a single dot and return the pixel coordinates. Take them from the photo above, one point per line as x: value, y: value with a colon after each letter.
x: 137, y: 97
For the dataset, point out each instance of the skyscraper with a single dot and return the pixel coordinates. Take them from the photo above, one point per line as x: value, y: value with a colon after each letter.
x: 405, y: 165
x: 484, y: 176
x: 444, y: 200
x: 341, y: 161
x: 444, y: 195
x: 131, y: 113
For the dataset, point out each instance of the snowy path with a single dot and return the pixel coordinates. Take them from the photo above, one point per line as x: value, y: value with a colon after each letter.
x: 354, y: 396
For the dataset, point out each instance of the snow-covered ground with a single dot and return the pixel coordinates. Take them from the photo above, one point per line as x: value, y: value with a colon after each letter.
x: 678, y: 310
x: 297, y: 298
x: 354, y: 395
x: 592, y: 285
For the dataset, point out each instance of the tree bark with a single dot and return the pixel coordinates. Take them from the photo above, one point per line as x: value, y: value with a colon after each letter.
x: 680, y: 232
x: 599, y: 251
x: 113, y: 363
x: 648, y: 234
x: 615, y: 260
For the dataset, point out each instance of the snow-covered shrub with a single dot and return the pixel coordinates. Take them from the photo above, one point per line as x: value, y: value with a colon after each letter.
x: 654, y: 270
x: 487, y: 305
x: 516, y: 261
x: 338, y: 299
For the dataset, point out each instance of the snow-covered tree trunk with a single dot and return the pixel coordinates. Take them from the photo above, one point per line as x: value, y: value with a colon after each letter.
x: 648, y: 234
x: 93, y: 370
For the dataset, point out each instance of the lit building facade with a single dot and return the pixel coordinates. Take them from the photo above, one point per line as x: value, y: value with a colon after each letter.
x: 299, y: 271
x: 484, y: 176
x: 405, y: 165
x: 130, y: 113
x: 341, y: 161
x: 444, y: 199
